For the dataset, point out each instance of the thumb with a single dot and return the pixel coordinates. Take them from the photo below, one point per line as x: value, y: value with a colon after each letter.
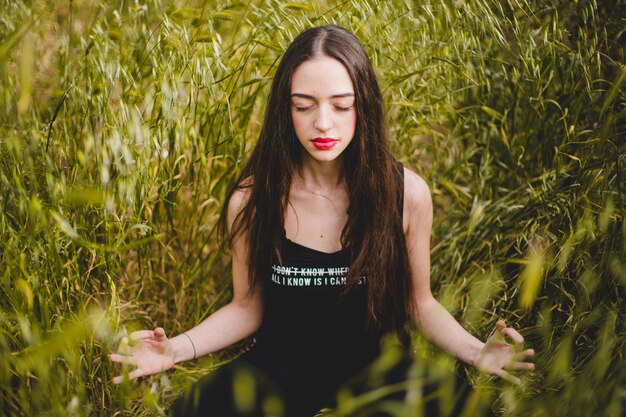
x: 159, y: 333
x: 499, y: 333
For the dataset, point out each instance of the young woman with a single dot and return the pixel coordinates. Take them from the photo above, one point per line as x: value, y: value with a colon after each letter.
x: 330, y: 248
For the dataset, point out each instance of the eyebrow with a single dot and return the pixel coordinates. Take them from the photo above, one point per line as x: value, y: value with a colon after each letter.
x: 307, y: 96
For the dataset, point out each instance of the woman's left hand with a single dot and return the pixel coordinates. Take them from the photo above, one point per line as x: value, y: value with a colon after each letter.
x: 498, y: 356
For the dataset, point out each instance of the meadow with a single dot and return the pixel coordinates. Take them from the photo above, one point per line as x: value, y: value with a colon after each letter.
x: 123, y: 123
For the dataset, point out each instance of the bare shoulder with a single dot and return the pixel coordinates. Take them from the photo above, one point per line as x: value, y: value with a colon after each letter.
x: 417, y: 198
x: 238, y: 200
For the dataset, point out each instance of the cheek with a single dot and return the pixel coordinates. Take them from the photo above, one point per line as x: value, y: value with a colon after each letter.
x: 350, y: 123
x: 296, y: 120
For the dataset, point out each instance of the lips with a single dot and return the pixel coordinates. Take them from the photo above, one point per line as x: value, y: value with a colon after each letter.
x: 324, y: 143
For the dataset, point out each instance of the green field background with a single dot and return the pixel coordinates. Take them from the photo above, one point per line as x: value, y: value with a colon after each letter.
x: 122, y: 124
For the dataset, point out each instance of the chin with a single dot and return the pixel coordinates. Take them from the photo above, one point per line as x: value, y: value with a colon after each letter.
x: 325, y: 156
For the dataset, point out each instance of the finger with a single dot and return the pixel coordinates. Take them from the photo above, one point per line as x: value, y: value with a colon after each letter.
x: 132, y: 375
x: 520, y: 366
x: 123, y: 358
x: 519, y: 356
x: 159, y: 333
x: 141, y: 334
x: 124, y: 346
x: 507, y: 376
x: 500, y: 325
x: 498, y: 335
x: 136, y: 374
x: 514, y: 335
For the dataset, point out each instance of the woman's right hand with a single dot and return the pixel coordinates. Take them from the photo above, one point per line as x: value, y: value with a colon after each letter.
x: 149, y: 350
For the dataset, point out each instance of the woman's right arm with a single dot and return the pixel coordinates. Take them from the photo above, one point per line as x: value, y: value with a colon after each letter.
x: 151, y: 351
x: 236, y: 320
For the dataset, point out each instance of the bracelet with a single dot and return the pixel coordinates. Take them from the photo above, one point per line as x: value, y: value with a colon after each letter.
x: 194, y: 346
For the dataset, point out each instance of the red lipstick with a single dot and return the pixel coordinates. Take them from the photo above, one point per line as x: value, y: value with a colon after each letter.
x: 324, y: 143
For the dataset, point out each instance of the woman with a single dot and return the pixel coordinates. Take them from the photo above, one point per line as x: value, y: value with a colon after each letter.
x: 330, y: 247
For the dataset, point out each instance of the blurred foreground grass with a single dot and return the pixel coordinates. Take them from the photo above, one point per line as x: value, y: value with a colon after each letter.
x: 122, y: 123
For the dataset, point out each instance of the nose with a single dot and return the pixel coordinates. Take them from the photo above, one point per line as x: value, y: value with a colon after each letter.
x: 323, y: 119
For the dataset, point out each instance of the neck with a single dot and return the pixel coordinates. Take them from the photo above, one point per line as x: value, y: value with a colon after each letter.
x: 321, y: 176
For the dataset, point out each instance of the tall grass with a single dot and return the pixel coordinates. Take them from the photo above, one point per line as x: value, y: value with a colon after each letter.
x: 122, y: 123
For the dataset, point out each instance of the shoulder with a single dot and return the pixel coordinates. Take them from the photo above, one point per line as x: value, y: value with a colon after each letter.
x: 417, y: 210
x: 417, y: 197
x: 238, y: 200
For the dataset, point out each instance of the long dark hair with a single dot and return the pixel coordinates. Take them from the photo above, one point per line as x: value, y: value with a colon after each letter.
x: 373, y: 232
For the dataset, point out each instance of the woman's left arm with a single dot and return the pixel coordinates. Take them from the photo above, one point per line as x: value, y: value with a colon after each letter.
x: 495, y: 356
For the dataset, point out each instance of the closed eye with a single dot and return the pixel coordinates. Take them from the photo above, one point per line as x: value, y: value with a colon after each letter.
x: 337, y: 108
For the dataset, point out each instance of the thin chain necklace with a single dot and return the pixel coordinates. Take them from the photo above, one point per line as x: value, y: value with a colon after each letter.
x: 305, y: 188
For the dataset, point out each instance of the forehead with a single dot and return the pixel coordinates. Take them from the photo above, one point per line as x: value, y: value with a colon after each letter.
x: 321, y: 77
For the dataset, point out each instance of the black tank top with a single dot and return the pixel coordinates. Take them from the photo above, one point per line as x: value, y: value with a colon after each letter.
x: 307, y: 325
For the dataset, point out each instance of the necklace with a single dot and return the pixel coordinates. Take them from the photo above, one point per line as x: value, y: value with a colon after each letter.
x: 305, y: 188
